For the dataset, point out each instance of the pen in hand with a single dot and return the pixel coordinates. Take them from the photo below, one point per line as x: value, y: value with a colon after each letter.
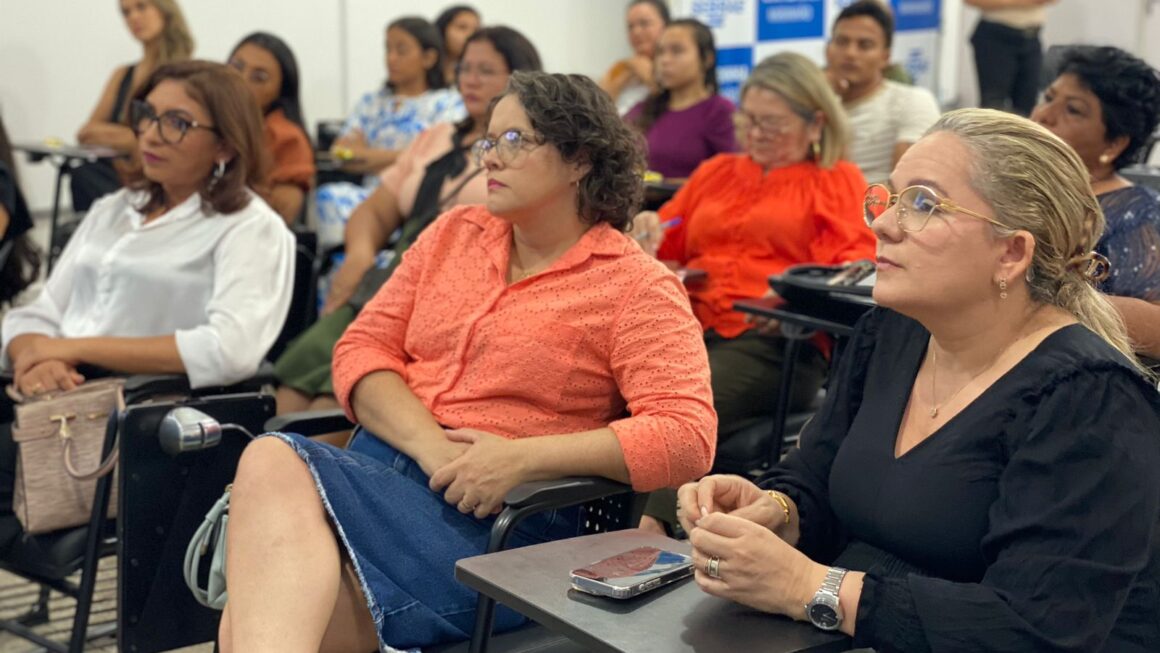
x: 667, y: 224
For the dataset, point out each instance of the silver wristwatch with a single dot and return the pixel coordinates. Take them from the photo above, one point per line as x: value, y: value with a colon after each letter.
x: 824, y: 611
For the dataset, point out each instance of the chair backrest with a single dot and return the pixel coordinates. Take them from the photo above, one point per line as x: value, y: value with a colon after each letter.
x: 163, y: 499
x: 303, y: 302
x: 612, y: 513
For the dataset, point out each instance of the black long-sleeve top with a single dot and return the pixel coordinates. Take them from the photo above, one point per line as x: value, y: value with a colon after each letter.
x: 19, y: 219
x: 1028, y: 522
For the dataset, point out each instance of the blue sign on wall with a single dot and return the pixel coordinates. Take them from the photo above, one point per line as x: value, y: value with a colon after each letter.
x: 715, y: 12
x: 916, y: 14
x: 778, y: 20
x: 733, y: 66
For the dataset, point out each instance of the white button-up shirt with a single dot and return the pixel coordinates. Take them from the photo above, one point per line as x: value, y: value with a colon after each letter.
x: 220, y: 283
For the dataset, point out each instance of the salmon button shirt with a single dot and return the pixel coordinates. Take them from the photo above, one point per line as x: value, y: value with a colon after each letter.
x: 605, y: 337
x: 741, y: 224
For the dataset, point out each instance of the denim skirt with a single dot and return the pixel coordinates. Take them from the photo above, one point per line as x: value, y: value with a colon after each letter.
x: 403, y: 539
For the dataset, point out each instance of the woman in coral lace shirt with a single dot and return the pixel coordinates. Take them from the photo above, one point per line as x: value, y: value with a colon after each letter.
x: 788, y: 199
x: 529, y: 339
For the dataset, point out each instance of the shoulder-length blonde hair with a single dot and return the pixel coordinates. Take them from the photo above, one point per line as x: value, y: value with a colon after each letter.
x: 176, y: 39
x: 1037, y: 183
x: 803, y: 86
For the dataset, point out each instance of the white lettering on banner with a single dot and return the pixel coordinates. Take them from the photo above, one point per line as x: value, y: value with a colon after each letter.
x: 714, y: 11
x: 798, y: 14
x: 732, y: 74
x: 915, y: 7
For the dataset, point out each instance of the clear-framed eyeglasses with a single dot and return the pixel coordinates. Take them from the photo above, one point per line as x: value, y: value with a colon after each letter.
x: 915, y: 206
x: 507, y: 145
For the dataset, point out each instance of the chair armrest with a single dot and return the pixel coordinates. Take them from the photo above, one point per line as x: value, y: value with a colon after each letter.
x: 310, y: 422
x: 142, y: 386
x: 573, y: 490
x: 139, y: 387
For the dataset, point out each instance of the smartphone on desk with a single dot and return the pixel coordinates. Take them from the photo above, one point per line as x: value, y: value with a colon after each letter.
x: 632, y: 573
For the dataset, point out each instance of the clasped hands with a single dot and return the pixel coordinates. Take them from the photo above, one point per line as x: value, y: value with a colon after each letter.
x: 476, y: 471
x: 731, y: 519
x: 44, y: 364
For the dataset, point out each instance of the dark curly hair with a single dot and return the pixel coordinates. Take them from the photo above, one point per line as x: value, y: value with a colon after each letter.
x: 1128, y: 90
x: 575, y: 116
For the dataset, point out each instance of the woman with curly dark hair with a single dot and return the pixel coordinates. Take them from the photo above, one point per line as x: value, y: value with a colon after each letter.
x: 1105, y: 103
x: 528, y: 339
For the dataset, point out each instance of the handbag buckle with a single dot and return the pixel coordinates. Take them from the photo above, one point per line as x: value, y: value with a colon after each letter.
x: 65, y: 432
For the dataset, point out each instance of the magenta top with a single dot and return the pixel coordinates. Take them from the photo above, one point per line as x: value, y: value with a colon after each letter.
x: 680, y: 140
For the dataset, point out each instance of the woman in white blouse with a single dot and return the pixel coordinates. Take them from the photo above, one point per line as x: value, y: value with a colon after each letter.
x: 185, y: 271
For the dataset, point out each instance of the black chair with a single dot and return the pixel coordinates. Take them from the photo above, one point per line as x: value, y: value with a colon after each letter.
x: 1143, y: 175
x: 304, y: 300
x: 50, y: 559
x: 605, y: 505
x: 328, y: 170
x: 164, y: 498
x: 759, y: 445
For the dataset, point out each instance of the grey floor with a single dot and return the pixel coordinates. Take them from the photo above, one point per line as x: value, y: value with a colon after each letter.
x: 18, y: 595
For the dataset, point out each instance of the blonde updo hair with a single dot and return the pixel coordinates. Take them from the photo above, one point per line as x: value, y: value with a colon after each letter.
x: 176, y: 39
x: 804, y: 87
x: 1035, y: 182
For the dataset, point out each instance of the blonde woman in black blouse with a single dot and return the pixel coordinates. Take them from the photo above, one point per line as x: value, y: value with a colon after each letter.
x: 985, y: 463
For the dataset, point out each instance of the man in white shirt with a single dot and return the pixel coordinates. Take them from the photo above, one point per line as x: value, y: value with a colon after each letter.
x: 1008, y: 54
x: 886, y: 117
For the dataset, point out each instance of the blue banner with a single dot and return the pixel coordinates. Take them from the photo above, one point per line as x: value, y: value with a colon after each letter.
x: 779, y: 20
x: 912, y: 15
x: 733, y: 66
x: 715, y: 13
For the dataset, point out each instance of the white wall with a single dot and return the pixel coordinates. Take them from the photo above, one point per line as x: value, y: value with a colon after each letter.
x: 56, y: 55
x: 1122, y: 23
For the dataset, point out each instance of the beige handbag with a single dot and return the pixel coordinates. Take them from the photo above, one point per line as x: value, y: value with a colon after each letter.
x: 60, y: 437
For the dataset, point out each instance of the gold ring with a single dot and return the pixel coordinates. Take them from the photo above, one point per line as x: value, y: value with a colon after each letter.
x: 713, y: 567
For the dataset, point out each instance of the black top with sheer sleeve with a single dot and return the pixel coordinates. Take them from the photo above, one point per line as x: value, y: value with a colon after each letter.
x: 1028, y: 522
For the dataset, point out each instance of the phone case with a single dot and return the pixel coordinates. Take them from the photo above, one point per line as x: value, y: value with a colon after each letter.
x: 632, y: 573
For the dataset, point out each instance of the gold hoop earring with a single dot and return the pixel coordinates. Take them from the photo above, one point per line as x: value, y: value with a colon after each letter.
x: 1003, y: 288
x: 817, y: 150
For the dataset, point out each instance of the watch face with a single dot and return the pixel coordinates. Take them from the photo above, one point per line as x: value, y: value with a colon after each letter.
x: 823, y: 616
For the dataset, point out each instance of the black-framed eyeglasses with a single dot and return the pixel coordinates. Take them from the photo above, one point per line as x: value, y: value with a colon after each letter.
x: 915, y: 206
x: 171, y: 125
x: 507, y: 145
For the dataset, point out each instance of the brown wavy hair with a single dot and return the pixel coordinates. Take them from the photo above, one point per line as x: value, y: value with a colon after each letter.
x: 576, y: 117
x: 238, y: 125
x: 176, y: 40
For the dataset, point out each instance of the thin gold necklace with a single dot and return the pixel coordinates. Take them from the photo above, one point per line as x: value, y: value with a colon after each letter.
x: 934, y: 376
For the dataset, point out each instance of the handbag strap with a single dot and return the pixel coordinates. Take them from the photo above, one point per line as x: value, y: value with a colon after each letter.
x: 201, y: 543
x: 112, y: 428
